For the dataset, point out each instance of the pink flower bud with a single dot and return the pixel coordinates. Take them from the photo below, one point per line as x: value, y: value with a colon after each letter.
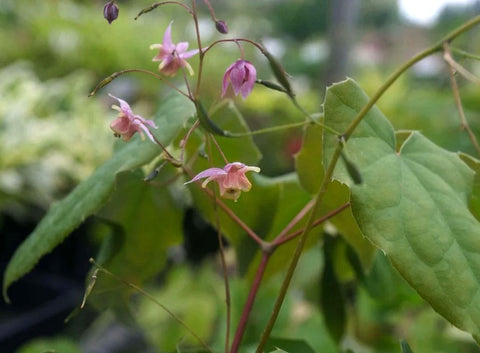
x: 221, y: 26
x: 110, y: 11
x: 242, y: 75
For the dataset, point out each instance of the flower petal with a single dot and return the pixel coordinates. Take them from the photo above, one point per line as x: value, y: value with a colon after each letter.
x: 167, y: 39
x: 208, y: 173
x: 189, y: 54
x: 147, y: 131
x: 181, y: 48
x: 124, y: 106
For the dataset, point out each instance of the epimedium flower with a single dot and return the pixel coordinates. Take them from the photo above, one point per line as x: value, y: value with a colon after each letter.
x: 127, y: 124
x: 172, y: 56
x: 231, y: 179
x: 242, y: 75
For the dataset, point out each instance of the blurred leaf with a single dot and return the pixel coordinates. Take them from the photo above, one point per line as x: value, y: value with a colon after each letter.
x: 474, y: 164
x: 308, y: 160
x: 381, y: 281
x: 413, y: 205
x: 288, y: 345
x: 405, y: 347
x: 332, y: 299
x: 195, y: 296
x: 91, y: 194
x: 151, y: 222
x: 49, y: 345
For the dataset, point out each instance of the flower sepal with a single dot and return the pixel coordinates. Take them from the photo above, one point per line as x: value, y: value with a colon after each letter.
x: 231, y: 179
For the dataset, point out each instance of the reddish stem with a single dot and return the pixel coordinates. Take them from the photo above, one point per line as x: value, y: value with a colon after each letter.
x: 231, y: 214
x: 242, y: 324
x: 280, y: 241
x: 295, y: 220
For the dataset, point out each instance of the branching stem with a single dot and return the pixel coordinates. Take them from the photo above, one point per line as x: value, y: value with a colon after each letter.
x: 331, y: 166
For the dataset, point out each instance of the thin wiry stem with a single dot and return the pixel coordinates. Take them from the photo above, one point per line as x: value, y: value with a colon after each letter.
x: 154, y: 300
x: 229, y: 212
x: 287, y: 238
x: 157, y: 4
x: 222, y: 256
x: 458, y: 101
x: 447, y: 56
x: 219, y: 148
x: 113, y: 76
x: 247, y: 308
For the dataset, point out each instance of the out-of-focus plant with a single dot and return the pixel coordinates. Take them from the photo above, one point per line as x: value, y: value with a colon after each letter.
x: 50, y: 136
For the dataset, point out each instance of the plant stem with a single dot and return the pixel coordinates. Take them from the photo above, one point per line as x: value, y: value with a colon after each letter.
x: 230, y: 213
x: 153, y: 299
x: 331, y: 166
x: 269, y: 129
x: 242, y: 324
x: 113, y: 76
x: 466, y: 54
x: 458, y: 102
x: 319, y: 221
x: 157, y: 4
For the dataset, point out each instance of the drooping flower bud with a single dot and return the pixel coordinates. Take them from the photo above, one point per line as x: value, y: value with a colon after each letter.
x: 110, y: 11
x: 221, y: 26
x: 242, y: 75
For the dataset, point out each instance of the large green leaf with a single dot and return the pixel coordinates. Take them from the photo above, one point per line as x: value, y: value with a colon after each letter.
x: 149, y: 222
x: 310, y: 171
x: 413, y: 204
x: 65, y: 215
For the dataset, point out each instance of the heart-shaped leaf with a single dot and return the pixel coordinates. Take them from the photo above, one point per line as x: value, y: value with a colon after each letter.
x: 413, y: 204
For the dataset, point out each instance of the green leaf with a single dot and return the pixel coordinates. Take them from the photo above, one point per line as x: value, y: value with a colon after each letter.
x: 414, y: 206
x: 308, y: 160
x: 65, y: 215
x: 150, y: 223
x: 49, y: 345
x: 310, y: 173
x: 405, y: 347
x: 474, y: 164
x: 332, y: 299
x: 288, y: 345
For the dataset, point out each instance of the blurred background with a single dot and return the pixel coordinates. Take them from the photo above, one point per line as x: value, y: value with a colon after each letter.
x: 54, y: 52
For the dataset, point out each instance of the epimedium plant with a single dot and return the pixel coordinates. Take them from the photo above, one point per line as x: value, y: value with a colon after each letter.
x: 410, y: 198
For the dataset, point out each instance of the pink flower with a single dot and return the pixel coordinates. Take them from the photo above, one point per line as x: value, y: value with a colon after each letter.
x: 127, y: 124
x: 172, y: 56
x: 242, y: 75
x: 231, y: 179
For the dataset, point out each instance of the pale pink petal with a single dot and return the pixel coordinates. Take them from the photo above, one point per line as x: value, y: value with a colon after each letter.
x: 189, y: 54
x: 236, y: 77
x: 207, y: 173
x: 167, y: 39
x: 120, y: 125
x: 124, y: 106
x: 181, y: 47
x: 151, y: 123
x: 147, y: 131
x: 249, y: 81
